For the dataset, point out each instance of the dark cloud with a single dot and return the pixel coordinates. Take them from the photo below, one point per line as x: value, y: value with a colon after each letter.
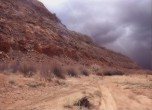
x: 121, y: 25
x: 137, y: 16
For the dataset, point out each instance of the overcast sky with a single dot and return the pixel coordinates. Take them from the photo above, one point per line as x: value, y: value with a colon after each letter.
x: 124, y: 26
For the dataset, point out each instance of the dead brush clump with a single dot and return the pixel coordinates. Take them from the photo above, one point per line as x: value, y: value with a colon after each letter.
x: 3, y: 66
x: 83, y: 103
x: 27, y: 70
x: 14, y: 66
x: 45, y: 72
x: 35, y: 84
x: 76, y: 70
x: 72, y: 72
x: 84, y: 71
x: 95, y: 68
x: 57, y: 70
x: 52, y: 70
x: 60, y: 82
x: 99, y: 74
x: 112, y: 72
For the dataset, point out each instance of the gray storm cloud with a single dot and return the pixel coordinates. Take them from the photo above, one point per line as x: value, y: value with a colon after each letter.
x: 124, y: 26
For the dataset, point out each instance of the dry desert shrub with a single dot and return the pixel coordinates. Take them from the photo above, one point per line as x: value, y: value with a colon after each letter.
x: 14, y: 66
x: 148, y: 72
x: 95, y: 68
x: 45, y: 72
x: 57, y: 70
x: 83, y: 103
x: 76, y: 70
x: 35, y: 84
x: 48, y: 71
x: 72, y: 72
x: 3, y: 66
x: 99, y: 74
x: 52, y: 70
x: 84, y: 71
x: 111, y: 72
x: 28, y: 70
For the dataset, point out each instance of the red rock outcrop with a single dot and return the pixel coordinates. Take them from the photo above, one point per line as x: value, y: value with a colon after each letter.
x: 26, y: 27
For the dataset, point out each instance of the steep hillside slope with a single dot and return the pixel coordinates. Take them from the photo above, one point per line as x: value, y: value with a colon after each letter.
x: 29, y: 32
x: 37, y: 54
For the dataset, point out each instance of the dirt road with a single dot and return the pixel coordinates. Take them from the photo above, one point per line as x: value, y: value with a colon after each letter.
x: 108, y: 93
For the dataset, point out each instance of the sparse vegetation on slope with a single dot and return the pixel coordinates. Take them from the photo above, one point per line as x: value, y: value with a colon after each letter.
x: 38, y: 36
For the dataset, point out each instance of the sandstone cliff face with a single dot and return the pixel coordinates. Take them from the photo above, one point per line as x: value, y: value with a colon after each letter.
x: 27, y: 28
